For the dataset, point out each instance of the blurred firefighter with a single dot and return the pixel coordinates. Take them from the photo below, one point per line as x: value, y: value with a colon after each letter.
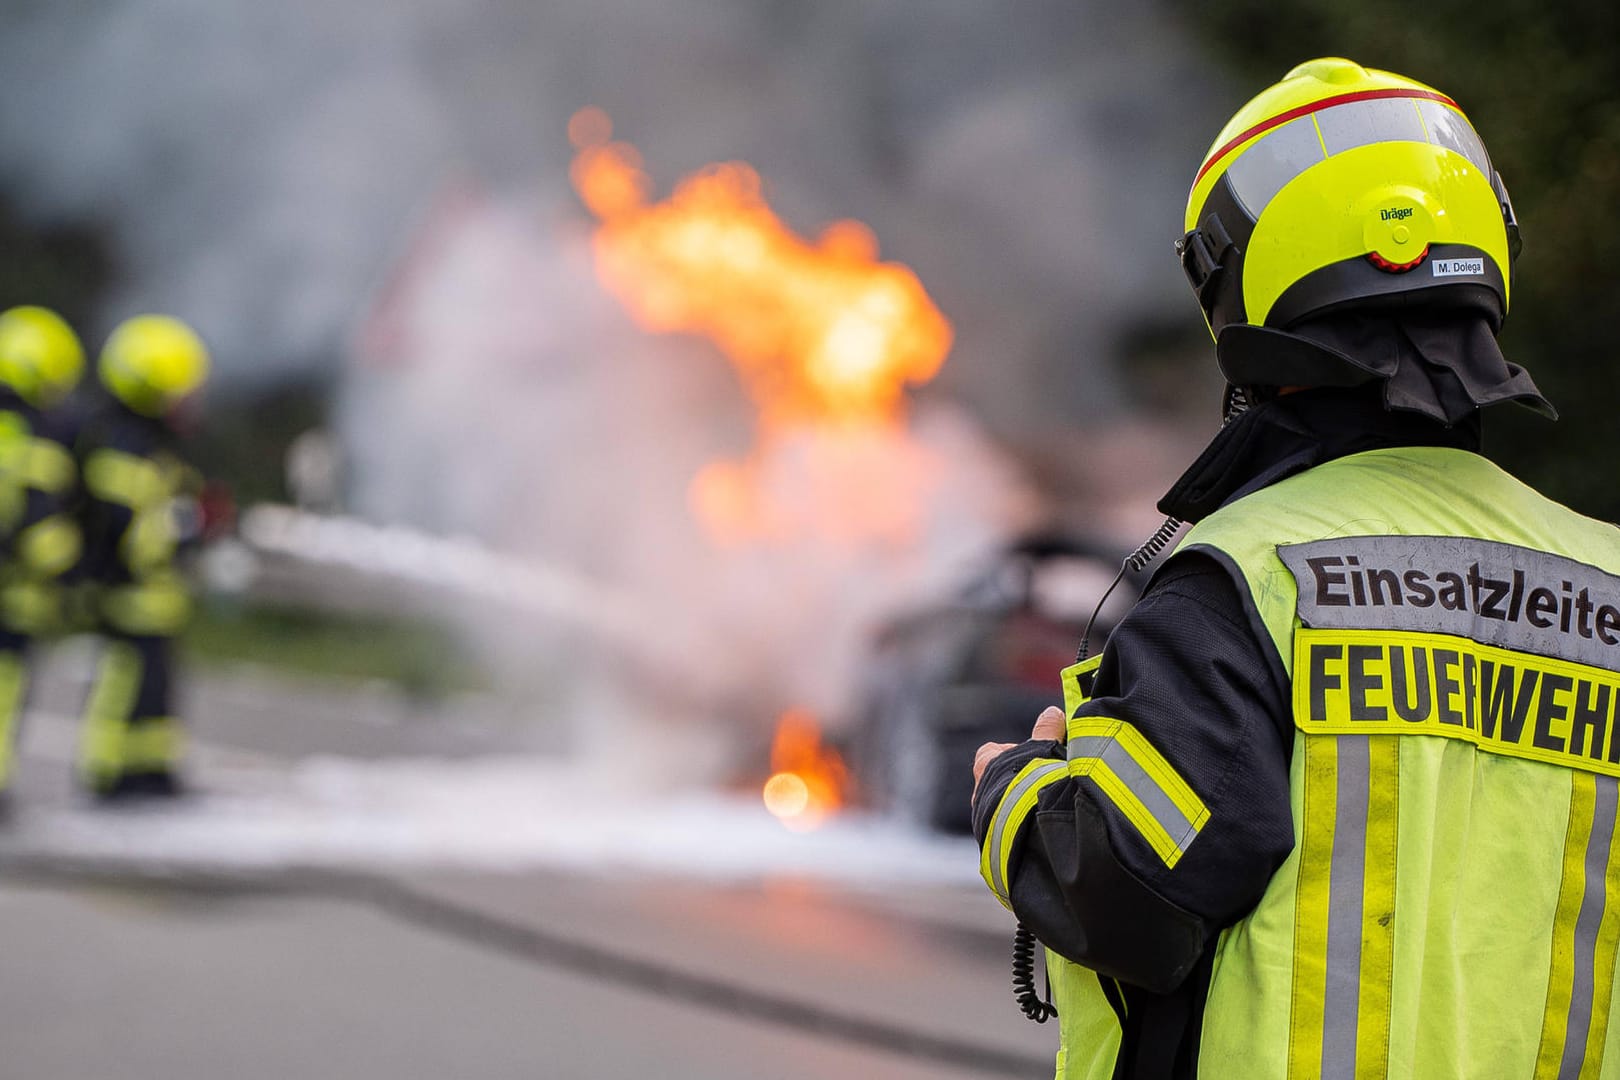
x: 40, y: 363
x: 1342, y: 797
x: 135, y: 488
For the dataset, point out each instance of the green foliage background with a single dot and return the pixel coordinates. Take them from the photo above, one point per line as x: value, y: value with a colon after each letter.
x: 421, y: 656
x: 1541, y: 82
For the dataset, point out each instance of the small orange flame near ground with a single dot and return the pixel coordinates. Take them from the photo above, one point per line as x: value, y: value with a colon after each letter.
x: 823, y: 336
x: 809, y: 781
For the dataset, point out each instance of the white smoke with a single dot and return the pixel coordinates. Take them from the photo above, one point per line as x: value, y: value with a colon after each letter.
x: 299, y: 178
x: 262, y: 164
x: 524, y: 408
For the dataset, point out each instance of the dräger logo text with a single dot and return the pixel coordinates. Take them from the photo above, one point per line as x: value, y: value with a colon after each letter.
x: 1400, y: 213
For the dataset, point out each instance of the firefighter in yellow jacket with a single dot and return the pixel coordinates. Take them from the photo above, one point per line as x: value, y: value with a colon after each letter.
x: 40, y: 363
x: 1340, y: 796
x: 133, y: 478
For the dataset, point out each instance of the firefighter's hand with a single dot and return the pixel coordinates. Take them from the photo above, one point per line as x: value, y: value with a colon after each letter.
x: 1051, y: 724
x: 985, y: 755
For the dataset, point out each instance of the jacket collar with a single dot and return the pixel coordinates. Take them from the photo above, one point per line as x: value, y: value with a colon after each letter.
x: 1295, y: 432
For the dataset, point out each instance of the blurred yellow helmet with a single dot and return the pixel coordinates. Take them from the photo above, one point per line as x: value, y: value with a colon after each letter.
x: 40, y: 355
x: 1345, y: 187
x: 151, y: 362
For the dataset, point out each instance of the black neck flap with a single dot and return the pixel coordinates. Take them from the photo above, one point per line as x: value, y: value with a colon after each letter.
x: 1442, y: 364
x: 1293, y: 432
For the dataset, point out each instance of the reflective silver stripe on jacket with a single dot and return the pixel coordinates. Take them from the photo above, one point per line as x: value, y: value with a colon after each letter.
x: 1007, y: 821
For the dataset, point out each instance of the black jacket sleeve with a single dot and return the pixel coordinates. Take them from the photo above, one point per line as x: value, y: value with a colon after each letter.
x: 105, y: 516
x: 1189, y: 670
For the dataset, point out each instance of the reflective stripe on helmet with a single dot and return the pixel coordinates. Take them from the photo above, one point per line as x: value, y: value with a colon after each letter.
x: 1287, y: 150
x: 1305, y: 110
x: 1450, y: 129
x: 1281, y: 155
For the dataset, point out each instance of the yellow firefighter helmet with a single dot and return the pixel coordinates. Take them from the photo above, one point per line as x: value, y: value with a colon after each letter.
x: 1345, y: 187
x: 40, y: 355
x: 151, y: 362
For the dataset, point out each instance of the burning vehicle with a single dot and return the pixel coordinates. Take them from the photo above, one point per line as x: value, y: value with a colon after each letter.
x: 826, y: 340
x: 750, y: 538
x: 945, y: 679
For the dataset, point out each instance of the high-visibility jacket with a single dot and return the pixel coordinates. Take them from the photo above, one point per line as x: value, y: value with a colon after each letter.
x: 1452, y: 903
x: 39, y: 544
x: 134, y: 479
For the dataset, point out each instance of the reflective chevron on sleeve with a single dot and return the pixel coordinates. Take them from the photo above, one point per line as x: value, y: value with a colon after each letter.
x: 1138, y: 782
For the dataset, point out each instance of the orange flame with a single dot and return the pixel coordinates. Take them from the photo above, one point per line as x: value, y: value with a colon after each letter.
x: 819, y: 331
x: 808, y: 781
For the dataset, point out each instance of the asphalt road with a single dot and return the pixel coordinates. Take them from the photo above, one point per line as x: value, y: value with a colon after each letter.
x: 121, y: 961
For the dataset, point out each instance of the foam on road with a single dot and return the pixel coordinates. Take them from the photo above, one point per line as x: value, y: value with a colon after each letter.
x: 505, y: 813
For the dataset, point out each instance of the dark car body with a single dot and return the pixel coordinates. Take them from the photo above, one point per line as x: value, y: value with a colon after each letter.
x: 940, y: 682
